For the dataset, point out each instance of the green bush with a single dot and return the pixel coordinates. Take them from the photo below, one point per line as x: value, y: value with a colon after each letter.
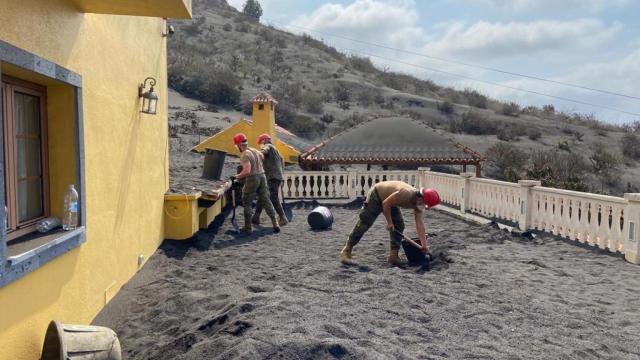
x: 508, y: 161
x: 474, y: 123
x: 227, y: 27
x: 511, y: 109
x: 475, y: 99
x: 564, y: 145
x: 559, y: 169
x: 252, y: 9
x: 534, y: 134
x: 630, y: 146
x: 446, y: 108
x: 363, y: 64
x: 307, y: 127
x: 312, y: 102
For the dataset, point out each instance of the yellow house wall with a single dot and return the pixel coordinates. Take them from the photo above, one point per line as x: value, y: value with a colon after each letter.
x: 126, y: 162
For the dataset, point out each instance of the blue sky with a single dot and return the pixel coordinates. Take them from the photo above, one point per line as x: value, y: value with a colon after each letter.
x: 593, y: 43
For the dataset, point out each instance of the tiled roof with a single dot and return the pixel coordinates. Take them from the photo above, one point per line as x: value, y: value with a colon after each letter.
x: 264, y: 97
x: 390, y: 140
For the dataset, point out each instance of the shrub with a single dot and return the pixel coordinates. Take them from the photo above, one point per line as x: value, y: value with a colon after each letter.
x: 227, y: 27
x: 362, y: 64
x: 511, y: 109
x: 306, y: 127
x: 475, y: 124
x: 549, y: 109
x: 508, y: 160
x: 365, y: 97
x: 446, y: 108
x: 534, y: 134
x: 252, y: 9
x: 174, y: 130
x: 342, y: 93
x: 327, y: 118
x: 558, y: 169
x: 630, y: 146
x: 312, y: 102
x: 193, y: 28
x: 564, y: 145
x: 475, y: 99
x: 605, y: 165
x: 505, y: 134
x: 243, y: 27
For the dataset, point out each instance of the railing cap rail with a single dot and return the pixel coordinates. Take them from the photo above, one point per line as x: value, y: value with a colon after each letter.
x: 597, y: 197
x: 443, y: 174
x: 494, y: 182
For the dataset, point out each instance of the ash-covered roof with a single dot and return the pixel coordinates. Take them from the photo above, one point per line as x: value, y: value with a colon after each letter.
x: 390, y: 140
x: 264, y: 97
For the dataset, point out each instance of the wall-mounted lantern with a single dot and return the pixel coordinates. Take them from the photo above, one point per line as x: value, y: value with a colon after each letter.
x: 149, y: 98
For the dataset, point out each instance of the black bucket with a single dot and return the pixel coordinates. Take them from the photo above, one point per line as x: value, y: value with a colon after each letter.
x: 414, y: 255
x: 213, y: 164
x: 320, y: 218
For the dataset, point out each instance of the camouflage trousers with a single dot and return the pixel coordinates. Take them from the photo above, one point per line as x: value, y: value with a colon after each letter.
x: 274, y: 188
x: 368, y: 215
x: 256, y: 185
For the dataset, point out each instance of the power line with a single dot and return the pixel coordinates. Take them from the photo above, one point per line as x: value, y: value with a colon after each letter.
x: 608, y: 92
x: 495, y: 84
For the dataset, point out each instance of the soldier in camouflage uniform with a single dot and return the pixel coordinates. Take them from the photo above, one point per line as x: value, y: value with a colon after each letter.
x: 388, y: 197
x: 255, y: 182
x: 273, y: 168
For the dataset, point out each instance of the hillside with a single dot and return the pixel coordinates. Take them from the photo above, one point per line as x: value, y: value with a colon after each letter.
x: 223, y: 58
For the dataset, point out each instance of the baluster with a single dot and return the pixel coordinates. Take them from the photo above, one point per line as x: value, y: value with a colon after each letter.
x: 317, y: 186
x: 607, y: 221
x: 583, y: 222
x: 298, y: 186
x: 574, y: 222
x: 604, y: 226
x: 616, y: 230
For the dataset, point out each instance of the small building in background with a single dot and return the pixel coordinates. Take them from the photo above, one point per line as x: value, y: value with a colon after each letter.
x: 263, y: 122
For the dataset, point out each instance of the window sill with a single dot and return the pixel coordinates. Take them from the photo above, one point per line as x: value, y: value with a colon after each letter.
x: 58, y: 243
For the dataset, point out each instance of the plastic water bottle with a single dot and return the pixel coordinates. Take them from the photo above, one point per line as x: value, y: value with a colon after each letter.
x: 70, y: 220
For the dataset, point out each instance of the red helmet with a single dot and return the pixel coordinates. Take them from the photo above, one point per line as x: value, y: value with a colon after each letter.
x: 430, y: 197
x: 263, y: 137
x: 240, y: 138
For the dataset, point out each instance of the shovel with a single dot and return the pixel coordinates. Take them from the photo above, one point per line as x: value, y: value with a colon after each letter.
x: 287, y: 211
x: 234, y: 223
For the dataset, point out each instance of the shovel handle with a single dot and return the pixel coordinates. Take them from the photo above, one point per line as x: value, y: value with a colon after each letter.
x: 410, y: 241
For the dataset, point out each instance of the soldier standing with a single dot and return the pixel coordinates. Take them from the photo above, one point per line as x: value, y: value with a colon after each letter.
x: 273, y: 168
x: 255, y: 182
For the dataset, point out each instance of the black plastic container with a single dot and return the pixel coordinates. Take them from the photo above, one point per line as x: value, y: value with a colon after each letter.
x: 213, y: 164
x: 320, y: 218
x: 414, y: 255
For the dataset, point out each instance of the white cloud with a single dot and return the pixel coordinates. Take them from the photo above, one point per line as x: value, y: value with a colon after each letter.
x: 390, y: 22
x: 593, y: 6
x: 484, y: 40
x: 621, y: 76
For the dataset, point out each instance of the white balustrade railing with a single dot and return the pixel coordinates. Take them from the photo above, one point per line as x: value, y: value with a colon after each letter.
x: 448, y: 186
x: 588, y: 218
x: 494, y: 199
x: 608, y: 222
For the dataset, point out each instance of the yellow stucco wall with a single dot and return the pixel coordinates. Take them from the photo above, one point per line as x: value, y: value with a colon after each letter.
x: 126, y: 159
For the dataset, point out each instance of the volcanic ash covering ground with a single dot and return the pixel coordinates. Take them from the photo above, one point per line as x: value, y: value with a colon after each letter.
x: 286, y: 296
